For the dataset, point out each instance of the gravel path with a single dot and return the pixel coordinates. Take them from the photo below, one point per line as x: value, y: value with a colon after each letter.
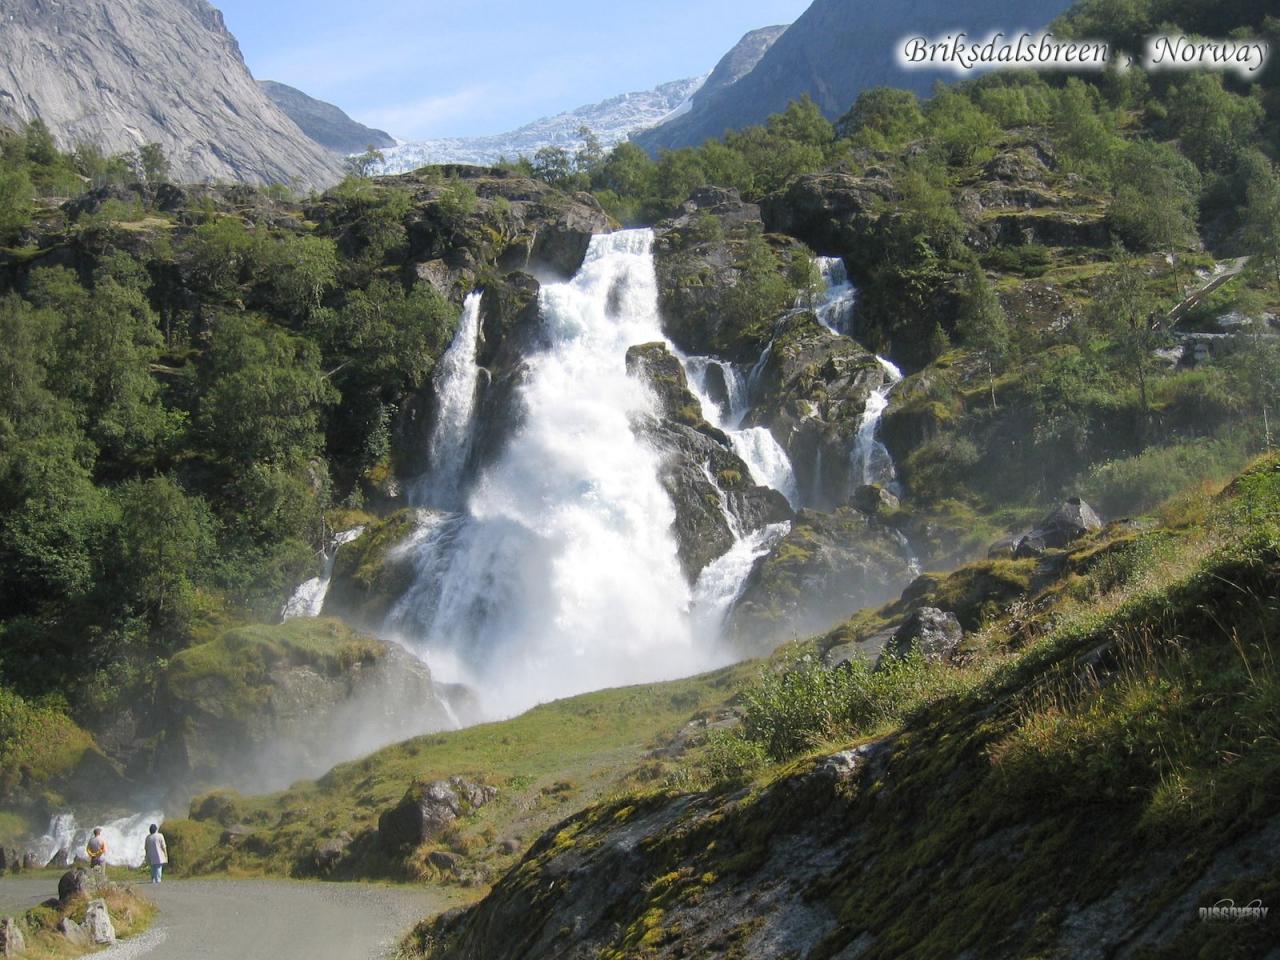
x: 239, y: 919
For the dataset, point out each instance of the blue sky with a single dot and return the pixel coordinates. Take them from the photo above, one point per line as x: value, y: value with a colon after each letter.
x: 432, y: 68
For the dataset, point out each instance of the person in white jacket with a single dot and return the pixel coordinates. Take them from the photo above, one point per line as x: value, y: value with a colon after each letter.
x: 157, y: 853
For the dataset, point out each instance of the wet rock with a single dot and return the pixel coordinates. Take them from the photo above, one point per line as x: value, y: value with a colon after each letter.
x: 30, y: 861
x: 427, y: 809
x: 935, y: 633
x: 63, y: 858
x: 700, y: 471
x: 97, y: 923
x: 824, y: 569
x: 872, y: 498
x: 1004, y: 548
x: 12, y: 942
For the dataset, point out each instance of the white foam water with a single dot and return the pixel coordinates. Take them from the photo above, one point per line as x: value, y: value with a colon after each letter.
x: 452, y: 424
x: 308, y: 599
x: 871, y: 462
x: 561, y: 573
x: 834, y: 309
x: 125, y: 839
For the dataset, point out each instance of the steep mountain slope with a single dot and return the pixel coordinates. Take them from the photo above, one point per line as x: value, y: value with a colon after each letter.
x: 324, y: 123
x: 739, y: 61
x: 124, y: 73
x: 834, y: 51
x: 611, y: 120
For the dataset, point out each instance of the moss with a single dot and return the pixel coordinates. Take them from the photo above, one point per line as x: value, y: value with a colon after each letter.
x: 367, y: 574
x: 39, y: 744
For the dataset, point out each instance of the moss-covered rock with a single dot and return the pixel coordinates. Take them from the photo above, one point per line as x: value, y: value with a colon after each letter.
x: 262, y: 705
x: 824, y: 569
x: 369, y: 574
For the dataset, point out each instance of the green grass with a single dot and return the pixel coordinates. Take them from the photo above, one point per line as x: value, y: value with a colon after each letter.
x: 545, y: 763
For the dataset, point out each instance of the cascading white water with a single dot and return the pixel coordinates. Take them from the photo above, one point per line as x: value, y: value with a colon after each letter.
x: 720, y: 583
x: 125, y: 838
x: 451, y: 432
x: 871, y: 462
x: 308, y: 599
x: 835, y: 309
x: 760, y: 451
x: 563, y: 576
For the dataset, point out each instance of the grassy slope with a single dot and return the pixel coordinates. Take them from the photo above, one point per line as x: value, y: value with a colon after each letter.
x: 1110, y: 765
x: 546, y: 763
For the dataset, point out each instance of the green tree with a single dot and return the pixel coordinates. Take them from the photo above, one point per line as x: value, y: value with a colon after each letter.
x: 552, y: 165
x: 264, y: 393
x: 1123, y: 308
x: 364, y: 164
x: 884, y: 117
x: 963, y: 133
x: 1153, y: 205
x: 1212, y: 124
x: 16, y: 193
x: 1083, y: 130
x: 982, y: 324
x: 164, y: 539
x: 153, y: 164
x: 1261, y: 213
x: 301, y: 270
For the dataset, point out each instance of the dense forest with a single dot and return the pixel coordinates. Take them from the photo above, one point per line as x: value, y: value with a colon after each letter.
x: 200, y: 384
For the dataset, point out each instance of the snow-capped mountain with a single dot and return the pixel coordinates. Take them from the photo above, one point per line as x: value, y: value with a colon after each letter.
x: 611, y: 120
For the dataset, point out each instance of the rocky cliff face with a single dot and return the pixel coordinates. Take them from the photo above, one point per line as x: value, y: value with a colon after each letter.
x: 837, y: 49
x: 324, y: 123
x: 122, y: 73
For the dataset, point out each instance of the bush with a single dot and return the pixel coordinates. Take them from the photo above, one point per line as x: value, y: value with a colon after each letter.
x: 1145, y: 480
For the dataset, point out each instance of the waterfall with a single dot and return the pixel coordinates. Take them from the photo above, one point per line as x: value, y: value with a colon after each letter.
x: 308, y: 599
x: 562, y: 574
x: 835, y: 309
x: 756, y: 446
x: 871, y: 462
x: 720, y: 583
x: 125, y: 838
x: 451, y: 432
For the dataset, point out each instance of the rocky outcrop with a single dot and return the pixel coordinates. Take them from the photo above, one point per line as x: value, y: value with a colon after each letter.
x: 324, y: 123
x: 708, y: 483
x: 834, y: 213
x: 699, y: 255
x: 827, y: 567
x: 124, y: 73
x: 812, y: 389
x: 427, y: 810
x: 1071, y: 521
x: 12, y: 941
x: 260, y: 707
x: 931, y: 632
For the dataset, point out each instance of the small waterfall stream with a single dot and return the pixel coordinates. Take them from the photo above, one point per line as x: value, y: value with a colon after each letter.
x: 451, y: 432
x: 308, y: 599
x: 870, y: 460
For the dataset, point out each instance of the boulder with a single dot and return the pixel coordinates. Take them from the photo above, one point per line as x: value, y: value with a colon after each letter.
x: 75, y: 934
x: 1003, y: 549
x: 12, y: 942
x: 80, y: 882
x: 872, y: 498
x: 427, y: 809
x: 1030, y: 546
x: 30, y: 861
x: 329, y: 852
x: 97, y: 923
x: 1071, y: 521
x: 63, y: 858
x: 935, y: 633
